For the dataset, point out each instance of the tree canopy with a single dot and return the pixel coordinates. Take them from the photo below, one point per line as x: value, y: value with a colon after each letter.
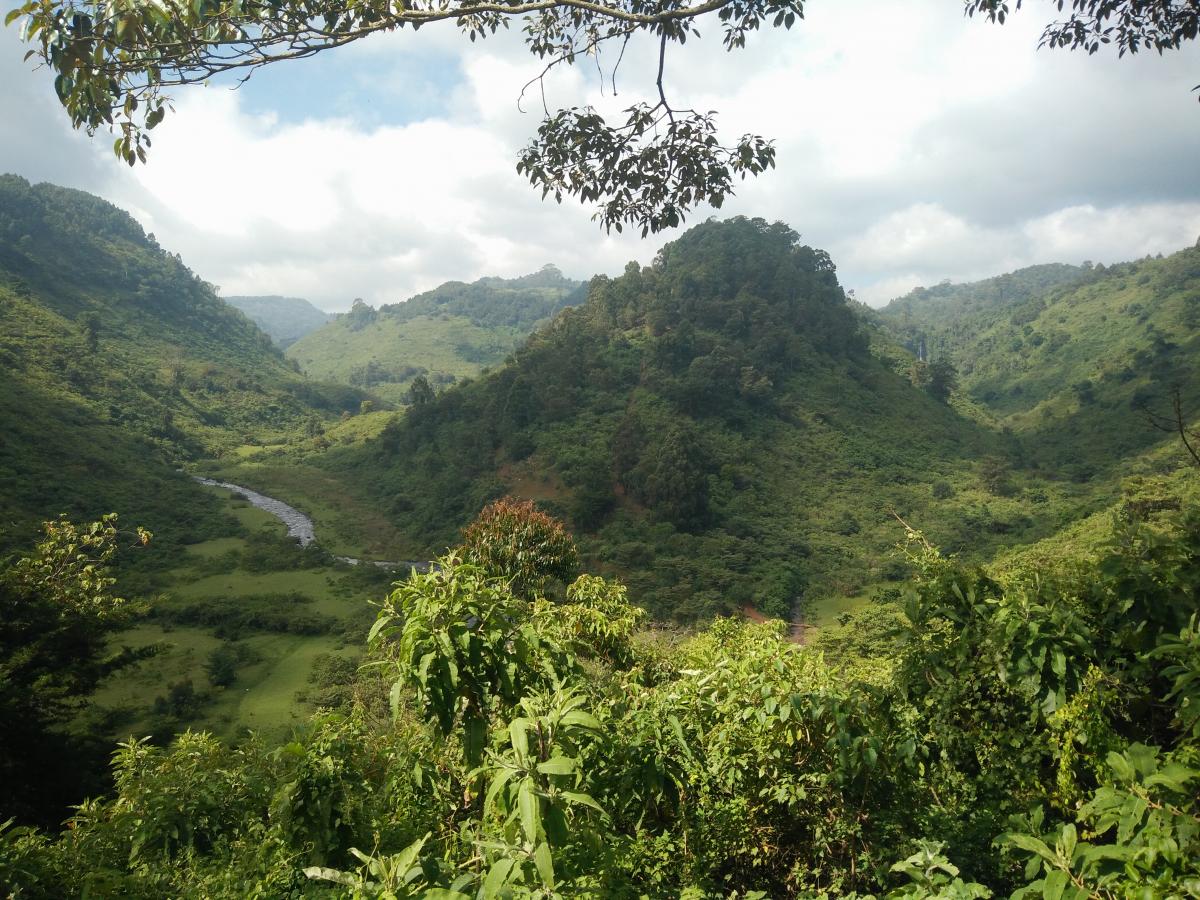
x: 115, y: 62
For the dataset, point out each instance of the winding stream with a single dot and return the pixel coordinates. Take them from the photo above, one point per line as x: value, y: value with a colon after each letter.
x: 300, y: 525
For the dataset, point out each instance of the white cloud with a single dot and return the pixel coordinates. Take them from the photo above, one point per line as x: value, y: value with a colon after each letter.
x: 912, y: 144
x: 1115, y: 234
x: 330, y: 210
x: 924, y: 244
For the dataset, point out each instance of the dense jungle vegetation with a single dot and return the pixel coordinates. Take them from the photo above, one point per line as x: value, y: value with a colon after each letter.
x: 1068, y: 358
x: 1007, y: 704
x: 723, y: 430
x: 1027, y: 733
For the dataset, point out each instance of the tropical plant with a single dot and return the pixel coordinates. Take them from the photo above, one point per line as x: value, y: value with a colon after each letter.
x: 517, y: 541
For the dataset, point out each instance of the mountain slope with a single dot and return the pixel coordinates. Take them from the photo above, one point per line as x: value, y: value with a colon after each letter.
x: 118, y: 364
x: 1069, y: 367
x: 451, y: 332
x: 285, y: 319
x: 944, y: 316
x: 716, y: 428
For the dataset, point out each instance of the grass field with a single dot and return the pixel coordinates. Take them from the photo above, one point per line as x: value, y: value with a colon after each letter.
x: 273, y: 666
x: 442, y: 345
x: 346, y: 523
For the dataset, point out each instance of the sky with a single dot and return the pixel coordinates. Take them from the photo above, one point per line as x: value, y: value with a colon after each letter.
x: 913, y: 145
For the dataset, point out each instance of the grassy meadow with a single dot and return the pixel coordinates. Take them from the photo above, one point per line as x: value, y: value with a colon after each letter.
x: 280, y: 615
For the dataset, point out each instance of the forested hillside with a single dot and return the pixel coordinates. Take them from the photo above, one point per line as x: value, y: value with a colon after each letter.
x: 285, y: 319
x: 443, y: 335
x: 947, y: 315
x: 1069, y: 359
x: 118, y: 364
x: 1006, y: 705
x: 717, y: 427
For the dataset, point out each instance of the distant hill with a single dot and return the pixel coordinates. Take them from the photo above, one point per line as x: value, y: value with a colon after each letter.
x: 718, y: 431
x: 1067, y: 357
x: 446, y: 334
x: 118, y: 364
x: 942, y: 317
x: 285, y: 319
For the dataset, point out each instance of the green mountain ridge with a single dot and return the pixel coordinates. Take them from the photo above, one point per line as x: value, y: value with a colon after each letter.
x: 449, y: 333
x: 717, y: 429
x: 1068, y: 358
x: 285, y: 319
x: 946, y: 313
x: 119, y: 365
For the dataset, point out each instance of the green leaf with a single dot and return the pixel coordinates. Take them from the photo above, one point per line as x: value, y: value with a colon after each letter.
x: 1120, y: 766
x: 545, y: 864
x: 497, y: 783
x: 582, y: 719
x: 321, y: 873
x: 529, y: 808
x: 1058, y: 662
x: 582, y: 800
x: 1068, y: 841
x: 677, y: 729
x: 394, y: 698
x: 1053, y: 886
x: 405, y: 858
x: 557, y: 765
x: 380, y: 623
x: 474, y: 739
x: 497, y: 877
x: 1030, y: 844
x: 519, y: 736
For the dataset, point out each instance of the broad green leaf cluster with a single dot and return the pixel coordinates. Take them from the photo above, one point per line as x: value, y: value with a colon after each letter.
x: 1034, y: 735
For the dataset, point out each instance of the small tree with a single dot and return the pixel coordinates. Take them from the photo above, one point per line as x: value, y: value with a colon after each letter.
x: 221, y: 666
x: 420, y: 392
x: 56, y: 614
x: 91, y: 331
x: 516, y: 540
x: 995, y: 473
x: 943, y: 379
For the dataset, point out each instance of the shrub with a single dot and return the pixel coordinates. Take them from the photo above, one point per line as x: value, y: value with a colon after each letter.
x: 516, y: 540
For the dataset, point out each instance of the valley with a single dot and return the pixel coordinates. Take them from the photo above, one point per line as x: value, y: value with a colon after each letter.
x: 723, y: 433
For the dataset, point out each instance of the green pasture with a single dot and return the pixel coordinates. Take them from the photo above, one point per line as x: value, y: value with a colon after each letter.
x: 275, y: 667
x: 346, y: 522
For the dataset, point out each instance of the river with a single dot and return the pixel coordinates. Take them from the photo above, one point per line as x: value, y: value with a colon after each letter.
x: 300, y: 525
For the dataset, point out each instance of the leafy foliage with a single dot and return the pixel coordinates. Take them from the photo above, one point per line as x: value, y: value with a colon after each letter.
x: 458, y: 634
x: 56, y: 613
x: 518, y: 541
x: 530, y: 752
x: 648, y: 171
x: 1158, y: 25
x: 114, y: 68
